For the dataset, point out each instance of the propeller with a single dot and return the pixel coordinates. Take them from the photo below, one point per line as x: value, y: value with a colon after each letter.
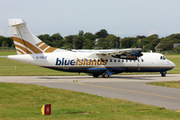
x: 140, y: 53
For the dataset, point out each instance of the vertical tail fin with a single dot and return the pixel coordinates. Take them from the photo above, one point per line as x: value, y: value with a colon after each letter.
x: 26, y: 42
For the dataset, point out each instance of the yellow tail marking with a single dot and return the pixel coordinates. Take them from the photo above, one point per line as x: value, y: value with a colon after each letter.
x: 23, y: 49
x: 50, y: 49
x: 19, y: 51
x: 44, y: 46
x: 19, y: 40
x: 28, y: 45
x: 39, y: 43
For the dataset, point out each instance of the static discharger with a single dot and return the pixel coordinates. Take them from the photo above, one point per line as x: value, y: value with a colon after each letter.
x: 46, y: 109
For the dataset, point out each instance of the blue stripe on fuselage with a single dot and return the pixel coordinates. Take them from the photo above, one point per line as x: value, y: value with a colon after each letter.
x: 100, y: 70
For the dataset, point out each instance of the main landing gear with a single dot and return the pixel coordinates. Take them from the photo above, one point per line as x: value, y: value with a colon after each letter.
x: 163, y: 74
x: 104, y: 75
x: 95, y: 75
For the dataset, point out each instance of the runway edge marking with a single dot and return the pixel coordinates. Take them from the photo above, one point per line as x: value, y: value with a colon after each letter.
x: 75, y: 81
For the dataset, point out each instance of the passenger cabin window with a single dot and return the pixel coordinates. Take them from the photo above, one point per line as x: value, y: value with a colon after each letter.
x: 114, y: 60
x: 110, y: 60
x: 118, y: 60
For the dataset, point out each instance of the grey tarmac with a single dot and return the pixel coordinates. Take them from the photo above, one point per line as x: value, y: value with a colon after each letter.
x: 128, y: 87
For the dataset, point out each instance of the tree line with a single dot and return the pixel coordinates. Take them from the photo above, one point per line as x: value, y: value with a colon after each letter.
x: 103, y: 40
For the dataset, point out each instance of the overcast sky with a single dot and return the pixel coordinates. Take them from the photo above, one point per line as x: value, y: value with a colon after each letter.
x: 124, y: 18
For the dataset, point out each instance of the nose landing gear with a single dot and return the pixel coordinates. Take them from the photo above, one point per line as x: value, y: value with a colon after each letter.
x: 163, y: 74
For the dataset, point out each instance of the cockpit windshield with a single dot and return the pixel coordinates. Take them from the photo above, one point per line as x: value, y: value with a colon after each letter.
x: 163, y: 58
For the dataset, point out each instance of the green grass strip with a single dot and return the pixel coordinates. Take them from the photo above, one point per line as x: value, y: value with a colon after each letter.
x: 24, y: 101
x: 172, y: 84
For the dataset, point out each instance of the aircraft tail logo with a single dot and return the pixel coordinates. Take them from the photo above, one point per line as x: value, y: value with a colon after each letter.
x: 26, y: 42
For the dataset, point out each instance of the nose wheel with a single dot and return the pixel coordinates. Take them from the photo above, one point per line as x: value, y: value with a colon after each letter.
x: 163, y: 74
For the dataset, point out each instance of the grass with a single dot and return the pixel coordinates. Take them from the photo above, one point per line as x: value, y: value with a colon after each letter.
x: 24, y: 101
x: 13, y: 68
x: 172, y: 84
x: 20, y: 101
x: 175, y: 59
x: 7, y: 53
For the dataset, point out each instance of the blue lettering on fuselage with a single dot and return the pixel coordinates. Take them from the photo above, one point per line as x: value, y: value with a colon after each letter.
x: 65, y: 62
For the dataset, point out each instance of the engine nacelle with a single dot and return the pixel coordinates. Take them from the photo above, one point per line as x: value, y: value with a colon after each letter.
x: 133, y: 55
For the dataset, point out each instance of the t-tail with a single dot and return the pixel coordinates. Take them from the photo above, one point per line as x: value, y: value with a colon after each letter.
x: 26, y: 42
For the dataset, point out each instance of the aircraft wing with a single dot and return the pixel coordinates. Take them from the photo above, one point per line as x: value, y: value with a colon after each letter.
x: 130, y: 53
x: 118, y: 51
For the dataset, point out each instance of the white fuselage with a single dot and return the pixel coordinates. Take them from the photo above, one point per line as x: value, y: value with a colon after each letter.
x: 91, y: 63
x: 32, y: 50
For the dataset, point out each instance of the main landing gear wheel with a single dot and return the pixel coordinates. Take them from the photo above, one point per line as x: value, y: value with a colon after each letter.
x: 95, y: 75
x: 105, y: 75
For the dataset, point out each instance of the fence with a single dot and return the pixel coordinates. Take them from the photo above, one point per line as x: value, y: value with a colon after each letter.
x: 7, y: 49
x: 171, y: 52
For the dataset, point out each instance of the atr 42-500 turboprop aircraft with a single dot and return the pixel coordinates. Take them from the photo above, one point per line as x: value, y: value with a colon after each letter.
x: 32, y: 50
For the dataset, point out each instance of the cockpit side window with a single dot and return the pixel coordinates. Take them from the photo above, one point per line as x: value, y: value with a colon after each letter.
x: 163, y: 58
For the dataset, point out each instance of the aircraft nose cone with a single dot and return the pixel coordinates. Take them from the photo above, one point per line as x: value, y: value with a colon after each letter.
x: 173, y: 65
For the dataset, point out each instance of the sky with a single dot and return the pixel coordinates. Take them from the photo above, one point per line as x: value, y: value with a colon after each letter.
x: 123, y: 18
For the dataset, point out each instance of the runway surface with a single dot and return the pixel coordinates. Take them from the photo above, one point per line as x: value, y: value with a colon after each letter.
x: 128, y: 87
